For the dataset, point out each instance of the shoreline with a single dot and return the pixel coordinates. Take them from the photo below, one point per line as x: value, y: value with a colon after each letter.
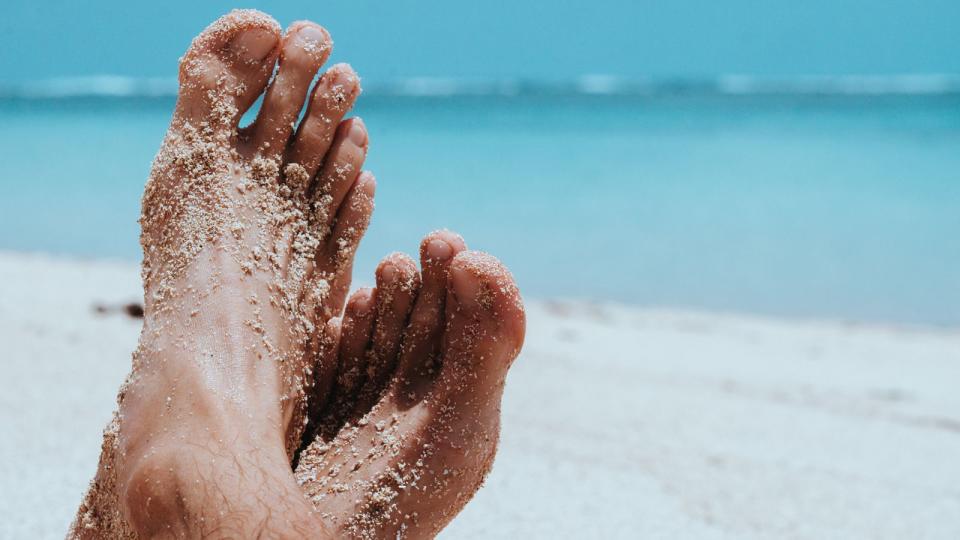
x: 619, y: 421
x: 667, y: 311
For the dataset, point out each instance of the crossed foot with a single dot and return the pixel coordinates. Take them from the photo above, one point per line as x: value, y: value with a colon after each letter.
x: 252, y: 408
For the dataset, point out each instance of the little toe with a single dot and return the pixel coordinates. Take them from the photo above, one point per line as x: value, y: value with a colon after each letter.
x: 484, y: 332
x: 350, y: 221
x: 332, y: 97
x: 420, y: 356
x: 356, y: 330
x: 398, y: 282
x: 340, y: 170
x: 329, y: 277
x: 326, y: 348
x: 226, y: 67
x: 304, y: 48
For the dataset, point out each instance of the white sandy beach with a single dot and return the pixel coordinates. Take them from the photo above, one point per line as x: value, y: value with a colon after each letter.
x: 619, y: 422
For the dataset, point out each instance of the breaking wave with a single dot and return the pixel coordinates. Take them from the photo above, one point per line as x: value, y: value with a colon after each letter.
x: 113, y: 86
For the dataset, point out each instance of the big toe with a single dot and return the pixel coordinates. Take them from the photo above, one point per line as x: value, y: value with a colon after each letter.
x: 485, y: 326
x: 226, y: 68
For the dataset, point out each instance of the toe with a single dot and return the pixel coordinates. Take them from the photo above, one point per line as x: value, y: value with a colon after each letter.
x: 419, y: 359
x: 333, y: 95
x: 324, y: 365
x: 351, y: 221
x: 339, y: 172
x: 398, y: 282
x: 324, y: 368
x: 357, y: 327
x: 226, y: 67
x: 485, y: 328
x: 304, y: 48
x: 332, y: 269
x: 319, y: 368
x: 355, y: 332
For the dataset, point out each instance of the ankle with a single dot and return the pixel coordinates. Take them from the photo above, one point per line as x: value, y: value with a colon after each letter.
x: 229, y: 487
x: 152, y: 495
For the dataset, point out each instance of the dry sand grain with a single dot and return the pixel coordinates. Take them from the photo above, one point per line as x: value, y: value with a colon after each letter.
x: 618, y: 422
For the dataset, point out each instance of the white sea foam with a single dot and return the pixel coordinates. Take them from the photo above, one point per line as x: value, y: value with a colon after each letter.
x: 915, y: 84
x: 593, y: 84
x: 600, y: 84
x: 442, y: 87
x: 97, y: 85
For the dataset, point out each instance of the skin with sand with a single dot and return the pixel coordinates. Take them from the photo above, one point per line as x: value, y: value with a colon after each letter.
x: 251, y: 407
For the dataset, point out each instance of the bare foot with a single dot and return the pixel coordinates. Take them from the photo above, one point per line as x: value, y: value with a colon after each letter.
x: 409, y: 426
x: 248, y: 239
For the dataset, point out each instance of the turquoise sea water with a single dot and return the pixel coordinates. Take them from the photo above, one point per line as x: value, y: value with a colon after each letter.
x: 797, y: 205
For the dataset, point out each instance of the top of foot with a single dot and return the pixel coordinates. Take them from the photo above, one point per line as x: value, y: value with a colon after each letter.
x: 248, y: 237
x: 238, y: 224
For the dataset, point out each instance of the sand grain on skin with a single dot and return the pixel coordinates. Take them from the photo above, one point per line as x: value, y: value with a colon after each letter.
x: 203, y: 201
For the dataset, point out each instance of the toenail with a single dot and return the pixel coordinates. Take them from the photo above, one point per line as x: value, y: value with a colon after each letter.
x: 312, y: 39
x: 342, y: 74
x: 466, y: 286
x: 438, y: 249
x: 360, y: 301
x: 358, y: 132
x: 389, y: 272
x: 254, y: 44
x: 368, y: 183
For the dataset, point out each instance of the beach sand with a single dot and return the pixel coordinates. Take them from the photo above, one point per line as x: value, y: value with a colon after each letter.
x: 618, y: 422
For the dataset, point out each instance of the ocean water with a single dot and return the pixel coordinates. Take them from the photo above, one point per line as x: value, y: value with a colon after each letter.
x: 839, y: 206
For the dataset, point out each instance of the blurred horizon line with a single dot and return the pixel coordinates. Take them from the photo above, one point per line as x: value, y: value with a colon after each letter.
x: 919, y: 84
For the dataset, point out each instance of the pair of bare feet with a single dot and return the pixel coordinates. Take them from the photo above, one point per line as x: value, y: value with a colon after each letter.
x: 253, y: 406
